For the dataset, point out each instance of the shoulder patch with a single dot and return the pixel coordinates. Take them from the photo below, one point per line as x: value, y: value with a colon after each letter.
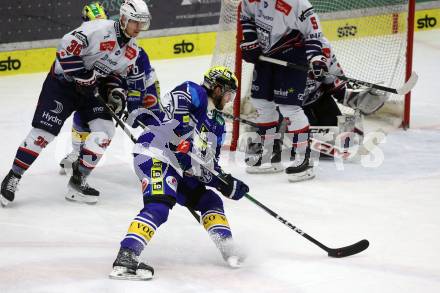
x: 130, y: 52
x: 283, y: 7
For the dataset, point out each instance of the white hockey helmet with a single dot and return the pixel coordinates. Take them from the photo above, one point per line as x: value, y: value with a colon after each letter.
x: 135, y: 10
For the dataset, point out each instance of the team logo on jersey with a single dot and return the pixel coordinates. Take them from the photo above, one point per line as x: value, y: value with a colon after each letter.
x: 283, y: 7
x: 144, y: 184
x: 107, y: 46
x: 172, y: 182
x: 58, y: 109
x: 130, y: 52
x: 149, y: 101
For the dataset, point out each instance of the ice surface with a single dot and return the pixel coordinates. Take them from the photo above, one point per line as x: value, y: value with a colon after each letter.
x: 50, y: 245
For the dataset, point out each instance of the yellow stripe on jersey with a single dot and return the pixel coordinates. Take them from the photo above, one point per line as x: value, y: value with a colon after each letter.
x: 212, y: 219
x: 141, y: 229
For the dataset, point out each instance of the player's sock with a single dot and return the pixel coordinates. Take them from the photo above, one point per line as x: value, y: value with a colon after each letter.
x: 217, y: 226
x: 27, y: 153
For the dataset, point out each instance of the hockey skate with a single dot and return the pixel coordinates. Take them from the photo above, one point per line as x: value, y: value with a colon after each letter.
x: 8, y: 188
x: 255, y: 156
x: 127, y: 267
x: 79, y: 190
x: 67, y: 162
x: 301, y: 169
x: 230, y: 253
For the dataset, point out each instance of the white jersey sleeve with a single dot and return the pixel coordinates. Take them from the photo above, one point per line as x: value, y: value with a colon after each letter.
x: 98, y: 46
x: 281, y: 21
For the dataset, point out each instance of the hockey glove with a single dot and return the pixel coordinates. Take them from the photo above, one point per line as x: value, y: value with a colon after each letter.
x: 250, y: 51
x: 318, y: 65
x: 116, y: 100
x: 85, y: 83
x: 233, y: 188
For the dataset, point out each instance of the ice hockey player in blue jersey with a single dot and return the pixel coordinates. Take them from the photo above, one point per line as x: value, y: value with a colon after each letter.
x: 192, y: 123
x: 87, y: 58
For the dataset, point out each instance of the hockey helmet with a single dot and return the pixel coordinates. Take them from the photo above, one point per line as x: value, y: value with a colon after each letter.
x: 135, y: 10
x: 220, y: 76
x: 93, y: 11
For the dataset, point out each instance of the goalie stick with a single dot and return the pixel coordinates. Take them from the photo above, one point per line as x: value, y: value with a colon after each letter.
x: 331, y: 252
x: 405, y: 88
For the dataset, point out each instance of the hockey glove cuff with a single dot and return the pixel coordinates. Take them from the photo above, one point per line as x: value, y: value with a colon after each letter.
x: 231, y: 187
x: 250, y: 51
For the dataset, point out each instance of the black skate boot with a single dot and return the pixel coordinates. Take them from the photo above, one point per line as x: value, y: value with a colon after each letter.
x: 302, y: 167
x: 79, y: 190
x: 127, y: 267
x: 67, y: 162
x: 256, y: 156
x: 8, y: 188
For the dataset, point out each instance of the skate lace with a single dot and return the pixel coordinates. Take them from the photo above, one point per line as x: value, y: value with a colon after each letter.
x: 12, y: 184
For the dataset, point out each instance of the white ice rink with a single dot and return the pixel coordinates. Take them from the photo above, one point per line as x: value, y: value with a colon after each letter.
x: 50, y: 245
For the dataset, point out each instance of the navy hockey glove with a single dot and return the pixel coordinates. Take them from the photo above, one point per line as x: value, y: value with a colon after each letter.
x: 318, y: 64
x: 116, y: 100
x: 233, y: 188
x: 250, y: 51
x: 85, y: 83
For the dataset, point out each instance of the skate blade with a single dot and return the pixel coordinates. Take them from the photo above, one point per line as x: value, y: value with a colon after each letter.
x: 3, y: 201
x: 265, y: 169
x: 76, y: 196
x: 121, y: 273
x: 303, y: 176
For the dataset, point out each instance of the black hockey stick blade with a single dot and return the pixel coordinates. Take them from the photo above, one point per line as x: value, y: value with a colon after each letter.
x: 349, y: 250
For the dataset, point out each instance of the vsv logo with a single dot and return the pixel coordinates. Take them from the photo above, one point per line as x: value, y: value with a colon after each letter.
x: 426, y: 22
x: 10, y: 64
x: 183, y: 47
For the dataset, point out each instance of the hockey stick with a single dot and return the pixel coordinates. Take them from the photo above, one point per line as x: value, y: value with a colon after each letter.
x: 315, y: 144
x: 131, y: 136
x: 332, y: 252
x: 405, y: 88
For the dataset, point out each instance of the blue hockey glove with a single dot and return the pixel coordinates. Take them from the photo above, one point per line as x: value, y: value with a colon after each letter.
x: 233, y: 188
x: 250, y: 51
x: 318, y: 64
